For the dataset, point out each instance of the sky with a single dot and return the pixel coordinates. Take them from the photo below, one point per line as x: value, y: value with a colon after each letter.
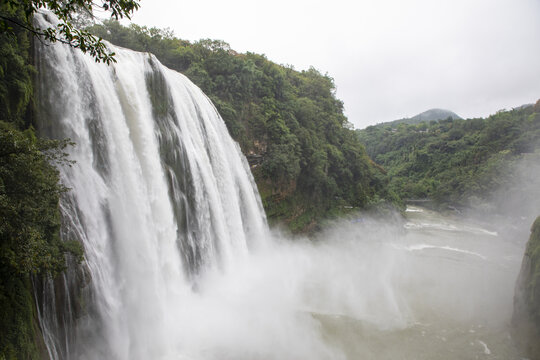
x: 389, y: 58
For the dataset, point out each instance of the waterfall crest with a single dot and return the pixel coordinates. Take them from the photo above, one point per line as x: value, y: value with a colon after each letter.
x: 160, y: 194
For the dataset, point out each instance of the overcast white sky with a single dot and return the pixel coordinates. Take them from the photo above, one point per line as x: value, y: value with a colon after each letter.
x: 389, y: 58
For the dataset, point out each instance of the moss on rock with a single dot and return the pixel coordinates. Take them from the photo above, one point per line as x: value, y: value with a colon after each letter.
x: 526, y: 317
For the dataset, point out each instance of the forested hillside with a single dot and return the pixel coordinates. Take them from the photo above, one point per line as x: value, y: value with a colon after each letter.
x: 307, y: 162
x: 453, y: 161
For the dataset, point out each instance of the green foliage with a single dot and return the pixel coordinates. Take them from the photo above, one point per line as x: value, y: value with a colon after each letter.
x: 453, y: 161
x: 19, y: 14
x: 29, y: 200
x: 15, y: 77
x: 29, y: 195
x: 16, y: 318
x: 29, y: 232
x: 309, y: 162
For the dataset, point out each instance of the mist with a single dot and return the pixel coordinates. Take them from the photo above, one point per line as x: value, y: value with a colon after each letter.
x: 417, y: 286
x: 422, y: 286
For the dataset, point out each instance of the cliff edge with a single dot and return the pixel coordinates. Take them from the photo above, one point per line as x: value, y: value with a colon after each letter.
x: 526, y: 317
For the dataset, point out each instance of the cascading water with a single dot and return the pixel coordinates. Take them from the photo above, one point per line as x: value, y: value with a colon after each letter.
x: 179, y: 265
x: 159, y: 194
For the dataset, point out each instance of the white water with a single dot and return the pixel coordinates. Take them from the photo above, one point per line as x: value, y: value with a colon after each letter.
x: 179, y: 263
x: 160, y: 194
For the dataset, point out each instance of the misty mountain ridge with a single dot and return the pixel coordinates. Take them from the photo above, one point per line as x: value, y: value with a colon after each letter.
x: 426, y: 116
x: 433, y: 114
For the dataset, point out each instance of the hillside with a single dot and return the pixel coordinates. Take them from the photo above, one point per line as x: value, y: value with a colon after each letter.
x: 455, y: 162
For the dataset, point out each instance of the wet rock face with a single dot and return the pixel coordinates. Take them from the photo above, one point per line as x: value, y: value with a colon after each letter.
x: 526, y: 317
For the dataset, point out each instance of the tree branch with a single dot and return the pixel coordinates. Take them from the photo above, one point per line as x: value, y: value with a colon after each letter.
x: 35, y: 31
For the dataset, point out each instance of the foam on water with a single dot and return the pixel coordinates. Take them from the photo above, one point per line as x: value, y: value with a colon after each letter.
x: 420, y: 247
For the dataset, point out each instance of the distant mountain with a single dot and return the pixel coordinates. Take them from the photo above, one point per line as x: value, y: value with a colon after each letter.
x: 523, y: 106
x: 432, y: 114
x: 426, y: 116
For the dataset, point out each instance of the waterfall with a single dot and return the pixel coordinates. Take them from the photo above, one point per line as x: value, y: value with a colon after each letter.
x: 159, y: 196
x: 179, y: 262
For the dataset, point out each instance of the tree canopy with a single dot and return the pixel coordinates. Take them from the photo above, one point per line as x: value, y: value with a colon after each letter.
x: 19, y: 13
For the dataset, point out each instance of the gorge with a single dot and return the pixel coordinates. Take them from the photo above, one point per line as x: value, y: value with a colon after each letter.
x: 180, y: 264
x: 176, y: 258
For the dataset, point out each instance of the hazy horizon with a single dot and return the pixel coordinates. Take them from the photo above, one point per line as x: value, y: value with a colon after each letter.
x: 389, y: 59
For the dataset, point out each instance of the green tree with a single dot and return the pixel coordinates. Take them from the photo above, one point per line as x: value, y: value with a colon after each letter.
x: 29, y: 232
x: 20, y: 13
x: 29, y: 196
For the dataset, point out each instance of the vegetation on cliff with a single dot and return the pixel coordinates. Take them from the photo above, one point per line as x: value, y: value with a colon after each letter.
x: 307, y: 162
x: 526, y: 317
x: 453, y: 161
x: 29, y: 198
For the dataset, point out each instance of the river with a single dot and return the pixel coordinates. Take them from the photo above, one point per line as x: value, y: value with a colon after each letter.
x: 452, y: 281
x: 427, y: 286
